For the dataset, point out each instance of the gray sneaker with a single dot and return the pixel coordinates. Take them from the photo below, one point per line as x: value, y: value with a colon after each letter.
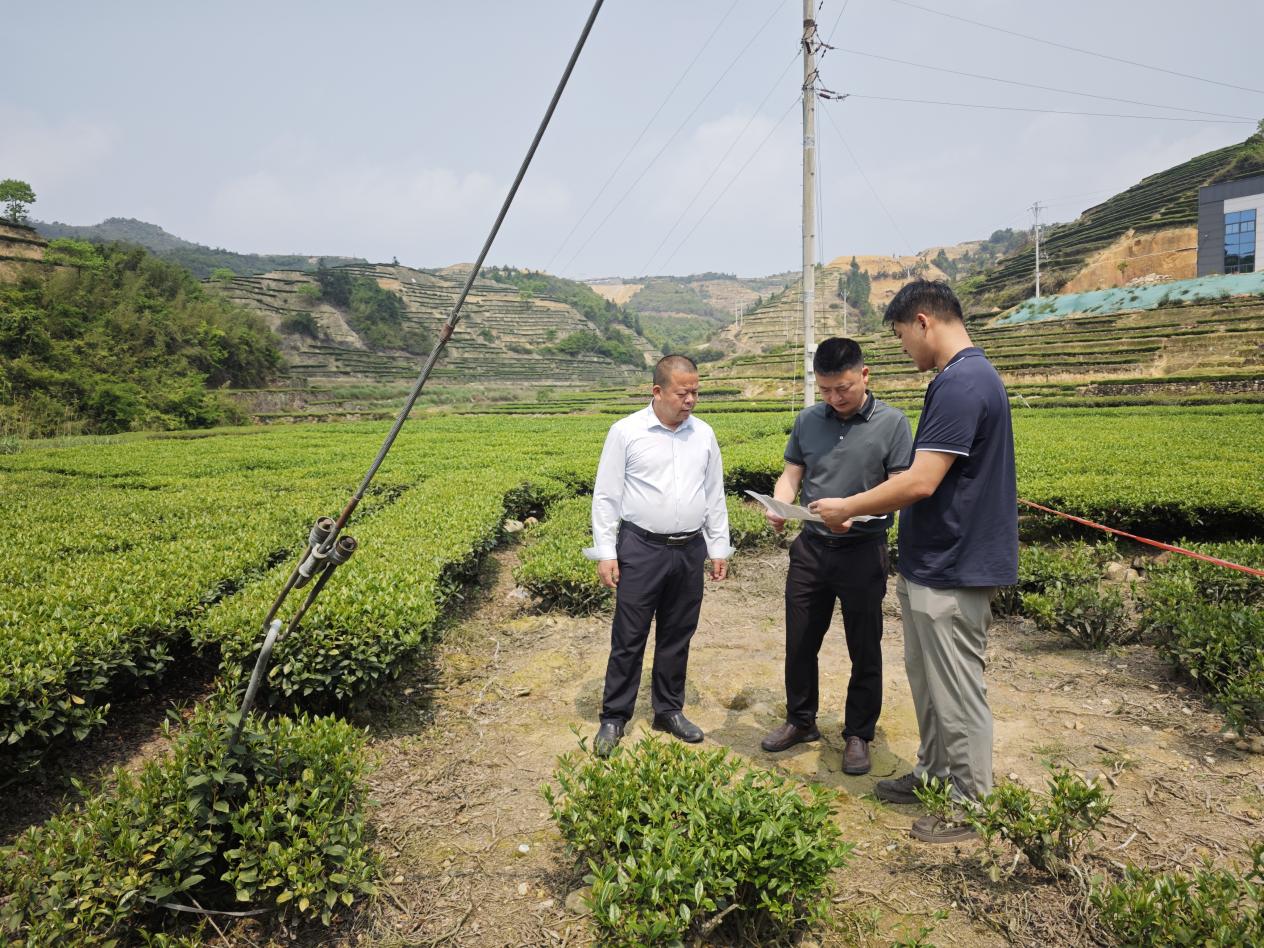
x: 931, y: 829
x: 898, y: 790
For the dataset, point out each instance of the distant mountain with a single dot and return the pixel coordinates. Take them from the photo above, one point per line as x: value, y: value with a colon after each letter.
x: 199, y: 259
x: 679, y: 313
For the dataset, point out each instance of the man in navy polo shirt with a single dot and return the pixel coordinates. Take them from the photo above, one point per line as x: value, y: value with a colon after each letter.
x: 958, y: 541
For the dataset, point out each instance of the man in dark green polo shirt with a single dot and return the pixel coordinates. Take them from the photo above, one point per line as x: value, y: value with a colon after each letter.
x: 849, y: 442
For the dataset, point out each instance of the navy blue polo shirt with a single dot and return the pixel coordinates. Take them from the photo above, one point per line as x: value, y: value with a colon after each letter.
x: 966, y: 533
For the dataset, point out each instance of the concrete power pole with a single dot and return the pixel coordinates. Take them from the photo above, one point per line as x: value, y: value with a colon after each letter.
x: 1035, y: 210
x: 809, y: 200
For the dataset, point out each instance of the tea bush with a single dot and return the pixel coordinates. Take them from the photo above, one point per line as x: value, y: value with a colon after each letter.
x: 748, y: 529
x: 1049, y: 831
x: 1210, y: 907
x: 553, y: 567
x: 274, y: 824
x: 425, y: 549
x: 1208, y: 621
x: 1091, y: 616
x: 1041, y: 566
x: 672, y: 838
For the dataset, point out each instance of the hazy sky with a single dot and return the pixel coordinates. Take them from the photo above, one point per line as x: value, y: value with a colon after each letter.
x: 392, y: 129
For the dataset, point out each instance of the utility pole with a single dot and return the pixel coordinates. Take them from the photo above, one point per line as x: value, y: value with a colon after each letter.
x: 809, y: 200
x: 1035, y: 210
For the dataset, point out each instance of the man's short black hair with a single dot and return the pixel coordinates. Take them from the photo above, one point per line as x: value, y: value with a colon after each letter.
x: 670, y: 365
x: 837, y: 355
x: 932, y: 297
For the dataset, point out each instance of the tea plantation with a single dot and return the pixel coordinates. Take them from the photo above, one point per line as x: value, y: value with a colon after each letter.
x: 132, y: 552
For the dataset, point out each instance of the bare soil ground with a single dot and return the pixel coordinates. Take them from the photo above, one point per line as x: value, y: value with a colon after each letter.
x: 465, y: 742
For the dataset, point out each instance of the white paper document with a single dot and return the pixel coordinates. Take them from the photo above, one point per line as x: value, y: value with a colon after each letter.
x: 794, y: 511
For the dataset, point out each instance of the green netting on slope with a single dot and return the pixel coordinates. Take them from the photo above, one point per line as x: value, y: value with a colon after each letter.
x: 1120, y: 299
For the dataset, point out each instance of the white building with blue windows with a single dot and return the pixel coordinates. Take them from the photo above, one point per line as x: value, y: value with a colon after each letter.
x: 1229, y: 217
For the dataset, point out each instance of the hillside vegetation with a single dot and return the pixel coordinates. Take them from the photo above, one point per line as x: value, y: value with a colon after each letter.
x: 114, y: 339
x: 520, y: 330
x: 198, y: 259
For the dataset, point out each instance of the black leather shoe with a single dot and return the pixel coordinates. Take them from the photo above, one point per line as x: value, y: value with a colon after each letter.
x: 678, y: 726
x: 608, y: 737
x: 789, y: 734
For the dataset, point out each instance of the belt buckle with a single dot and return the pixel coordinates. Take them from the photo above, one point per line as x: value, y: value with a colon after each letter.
x: 678, y: 539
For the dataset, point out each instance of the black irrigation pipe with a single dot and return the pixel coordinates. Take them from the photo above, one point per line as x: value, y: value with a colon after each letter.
x: 324, y: 549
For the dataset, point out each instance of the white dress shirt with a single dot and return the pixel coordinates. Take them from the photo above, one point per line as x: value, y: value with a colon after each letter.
x: 663, y: 481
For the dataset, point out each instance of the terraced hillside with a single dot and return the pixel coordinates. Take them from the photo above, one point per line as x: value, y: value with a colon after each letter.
x: 778, y: 319
x: 1162, y: 202
x: 500, y: 339
x: 1203, y: 353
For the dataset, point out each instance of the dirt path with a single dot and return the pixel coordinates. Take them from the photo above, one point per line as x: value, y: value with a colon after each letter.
x: 465, y: 745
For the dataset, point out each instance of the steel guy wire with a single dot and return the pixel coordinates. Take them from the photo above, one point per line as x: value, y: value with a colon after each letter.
x: 671, y: 138
x: 631, y: 148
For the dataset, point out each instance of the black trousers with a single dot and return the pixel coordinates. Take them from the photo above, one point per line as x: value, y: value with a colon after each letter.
x: 818, y: 576
x: 660, y: 582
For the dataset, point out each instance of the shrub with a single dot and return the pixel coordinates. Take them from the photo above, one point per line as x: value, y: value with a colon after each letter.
x: 1208, y: 620
x: 274, y: 824
x: 1049, y: 831
x: 554, y: 569
x: 1040, y: 567
x: 1210, y: 907
x: 301, y: 324
x: 673, y: 838
x: 426, y: 548
x: 1091, y: 616
x: 747, y: 527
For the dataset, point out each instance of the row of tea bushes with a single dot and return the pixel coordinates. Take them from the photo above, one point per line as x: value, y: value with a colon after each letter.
x: 416, y: 558
x: 98, y: 605
x: 555, y: 571
x: 1208, y: 621
x: 276, y: 824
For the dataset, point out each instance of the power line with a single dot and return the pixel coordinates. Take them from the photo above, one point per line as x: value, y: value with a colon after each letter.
x: 834, y: 28
x: 631, y: 148
x: 718, y: 165
x: 1076, y: 49
x: 868, y: 183
x: 1019, y: 108
x: 672, y: 138
x: 730, y: 183
x: 1032, y: 85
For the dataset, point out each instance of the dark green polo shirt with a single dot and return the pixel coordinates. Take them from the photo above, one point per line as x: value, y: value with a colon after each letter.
x: 844, y: 457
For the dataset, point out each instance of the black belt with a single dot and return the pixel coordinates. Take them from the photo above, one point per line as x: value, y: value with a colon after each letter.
x: 843, y: 541
x: 667, y: 539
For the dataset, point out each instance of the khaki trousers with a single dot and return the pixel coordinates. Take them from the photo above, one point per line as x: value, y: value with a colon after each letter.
x: 945, y: 636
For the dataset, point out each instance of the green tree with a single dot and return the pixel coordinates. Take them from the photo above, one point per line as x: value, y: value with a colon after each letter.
x: 858, y: 286
x: 946, y: 265
x: 115, y: 339
x: 69, y: 252
x: 223, y: 275
x: 15, y: 195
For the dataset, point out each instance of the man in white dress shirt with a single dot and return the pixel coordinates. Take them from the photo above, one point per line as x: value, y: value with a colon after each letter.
x: 658, y: 512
